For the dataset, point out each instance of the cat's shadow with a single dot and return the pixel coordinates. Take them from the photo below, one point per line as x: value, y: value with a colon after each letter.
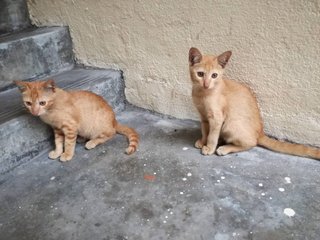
x: 187, y: 137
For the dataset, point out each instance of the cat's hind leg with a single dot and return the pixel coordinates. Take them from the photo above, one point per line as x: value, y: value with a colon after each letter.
x: 230, y: 148
x: 237, y: 138
x: 237, y: 146
x: 98, y: 140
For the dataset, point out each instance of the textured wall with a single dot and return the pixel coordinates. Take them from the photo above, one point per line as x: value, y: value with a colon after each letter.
x: 275, y: 44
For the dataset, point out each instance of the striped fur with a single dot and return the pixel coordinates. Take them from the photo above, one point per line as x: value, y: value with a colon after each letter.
x: 132, y: 136
x: 72, y: 114
x: 289, y: 148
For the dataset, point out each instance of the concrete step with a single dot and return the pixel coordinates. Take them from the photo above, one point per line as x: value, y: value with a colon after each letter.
x: 34, y: 53
x: 23, y: 136
x: 14, y: 16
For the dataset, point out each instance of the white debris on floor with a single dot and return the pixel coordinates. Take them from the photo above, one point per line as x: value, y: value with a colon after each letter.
x: 289, y: 212
x: 287, y: 179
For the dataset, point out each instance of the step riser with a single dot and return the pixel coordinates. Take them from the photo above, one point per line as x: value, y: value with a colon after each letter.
x: 14, y: 16
x: 33, y: 55
x: 21, y: 140
x: 25, y: 136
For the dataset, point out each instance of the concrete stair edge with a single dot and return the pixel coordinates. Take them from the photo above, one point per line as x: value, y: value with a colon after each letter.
x: 34, y: 53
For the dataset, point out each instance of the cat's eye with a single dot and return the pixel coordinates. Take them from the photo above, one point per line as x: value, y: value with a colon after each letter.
x: 42, y: 103
x: 200, y: 74
x: 28, y: 103
x: 214, y: 75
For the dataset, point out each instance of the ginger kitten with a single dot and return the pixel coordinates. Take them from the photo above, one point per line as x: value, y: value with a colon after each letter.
x: 229, y: 111
x: 73, y: 113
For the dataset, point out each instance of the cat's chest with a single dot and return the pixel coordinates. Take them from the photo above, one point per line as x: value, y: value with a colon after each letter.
x: 55, y: 119
x: 51, y: 120
x: 208, y: 105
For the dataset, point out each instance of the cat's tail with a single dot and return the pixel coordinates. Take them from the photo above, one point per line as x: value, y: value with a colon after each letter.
x: 132, y: 136
x: 289, y: 148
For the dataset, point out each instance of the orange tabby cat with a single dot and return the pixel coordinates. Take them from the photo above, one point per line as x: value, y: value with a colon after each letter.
x: 229, y: 111
x: 73, y: 113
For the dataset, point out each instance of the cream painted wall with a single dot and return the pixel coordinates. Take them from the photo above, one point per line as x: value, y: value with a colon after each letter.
x: 275, y: 44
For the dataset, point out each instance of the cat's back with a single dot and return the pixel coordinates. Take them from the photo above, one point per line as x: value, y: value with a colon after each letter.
x: 238, y: 93
x: 95, y: 113
x: 242, y: 103
x: 91, y: 107
x: 88, y: 100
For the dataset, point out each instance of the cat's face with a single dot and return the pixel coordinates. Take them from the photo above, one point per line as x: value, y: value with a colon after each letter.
x: 37, y: 96
x: 207, y: 70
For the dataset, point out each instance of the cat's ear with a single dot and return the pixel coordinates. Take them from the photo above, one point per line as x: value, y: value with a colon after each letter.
x: 224, y: 58
x: 49, y: 85
x: 194, y: 56
x: 21, y: 85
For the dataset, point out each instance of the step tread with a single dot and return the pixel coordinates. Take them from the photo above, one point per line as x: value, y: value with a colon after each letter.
x: 28, y: 33
x: 34, y: 53
x: 11, y: 105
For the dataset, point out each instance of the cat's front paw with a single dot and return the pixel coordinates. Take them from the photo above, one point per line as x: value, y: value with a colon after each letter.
x: 54, y: 154
x: 199, y: 144
x: 66, y: 157
x: 206, y: 150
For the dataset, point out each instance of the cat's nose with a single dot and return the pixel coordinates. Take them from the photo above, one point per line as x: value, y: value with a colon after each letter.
x: 206, y: 84
x: 35, y: 112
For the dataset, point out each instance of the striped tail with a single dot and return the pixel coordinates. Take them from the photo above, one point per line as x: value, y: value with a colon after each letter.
x: 289, y: 148
x: 132, y: 136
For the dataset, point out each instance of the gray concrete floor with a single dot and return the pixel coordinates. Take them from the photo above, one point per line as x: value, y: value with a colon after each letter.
x: 167, y: 190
